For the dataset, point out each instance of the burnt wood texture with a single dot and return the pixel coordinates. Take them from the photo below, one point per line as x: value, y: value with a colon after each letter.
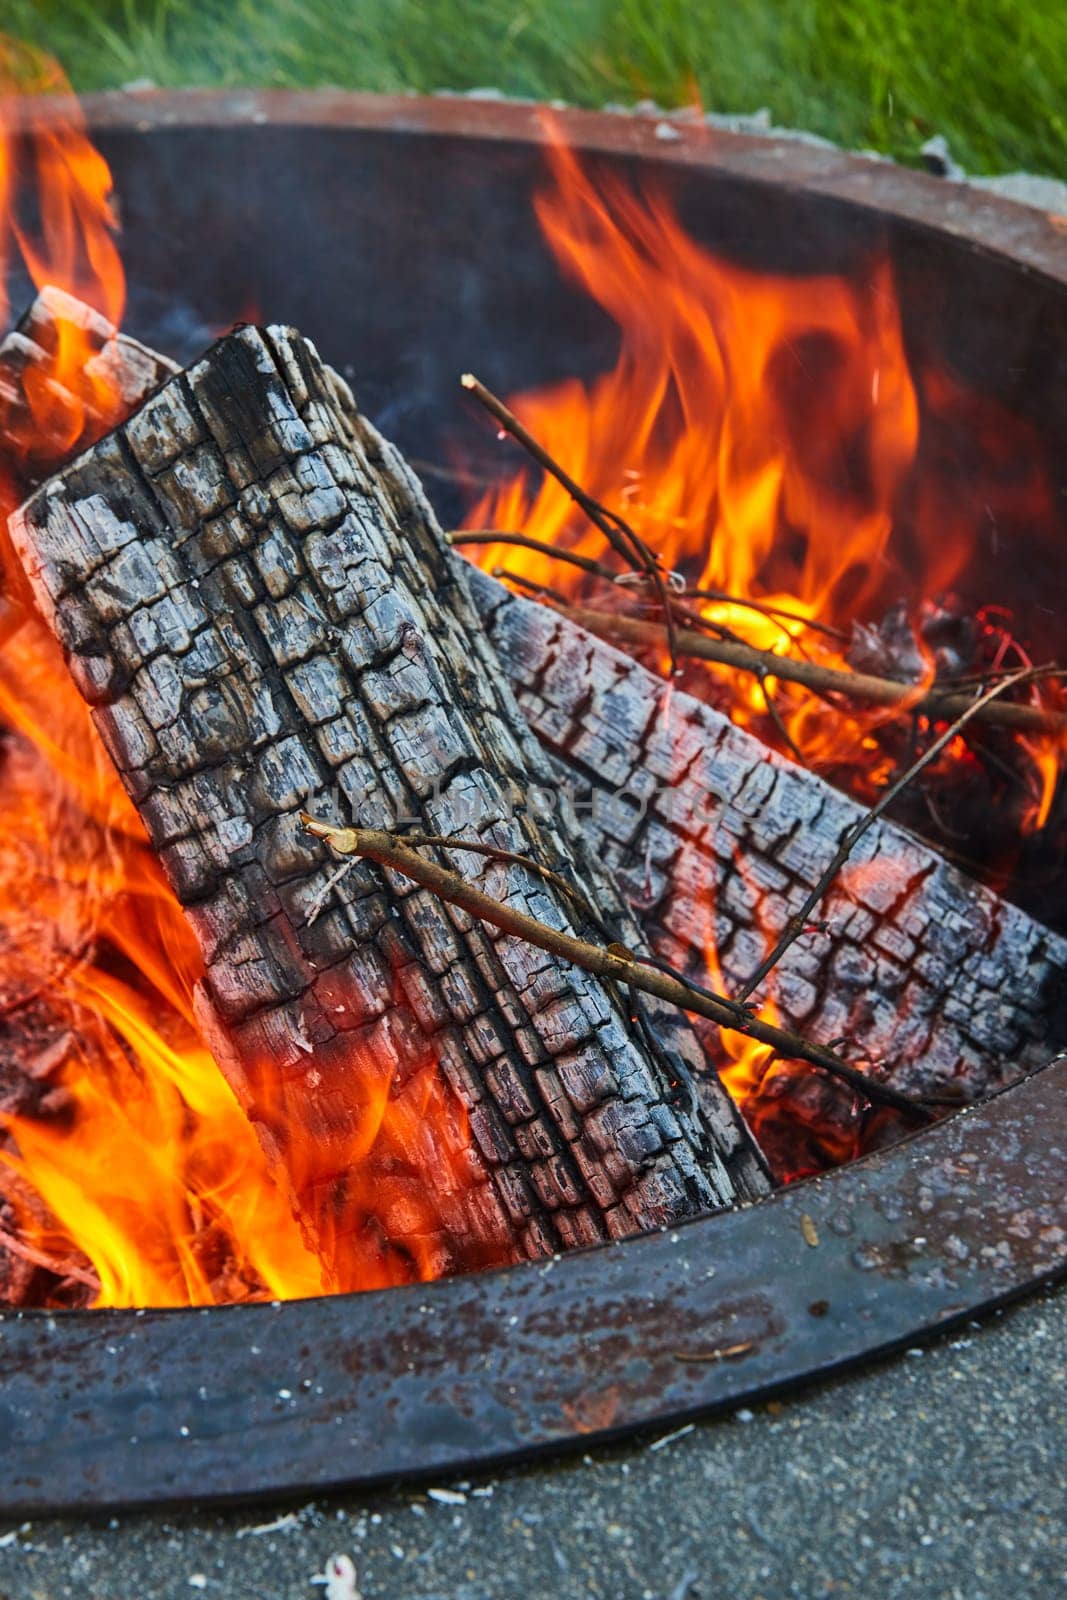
x: 716, y: 840
x: 254, y: 598
x: 113, y: 374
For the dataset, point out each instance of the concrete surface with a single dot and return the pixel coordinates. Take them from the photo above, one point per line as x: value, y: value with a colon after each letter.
x: 939, y: 1475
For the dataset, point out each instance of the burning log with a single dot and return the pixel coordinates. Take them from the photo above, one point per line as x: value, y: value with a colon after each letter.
x: 614, y: 961
x: 54, y: 402
x: 254, y: 599
x: 717, y: 840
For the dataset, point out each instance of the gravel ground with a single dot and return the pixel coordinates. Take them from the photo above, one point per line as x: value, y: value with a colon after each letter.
x: 938, y: 1476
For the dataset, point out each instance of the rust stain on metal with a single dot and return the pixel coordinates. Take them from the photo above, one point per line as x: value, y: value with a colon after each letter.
x: 726, y: 1352
x: 593, y: 1413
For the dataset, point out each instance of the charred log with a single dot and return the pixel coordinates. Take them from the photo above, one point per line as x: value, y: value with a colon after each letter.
x: 254, y: 598
x: 717, y: 840
x: 43, y: 419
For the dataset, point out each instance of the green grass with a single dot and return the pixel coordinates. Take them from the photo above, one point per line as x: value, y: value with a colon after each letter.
x: 991, y: 75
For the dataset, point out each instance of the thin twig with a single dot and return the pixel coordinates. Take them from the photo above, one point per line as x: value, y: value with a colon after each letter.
x: 314, y: 910
x: 627, y: 544
x: 779, y: 723
x: 861, y: 686
x: 521, y: 541
x: 765, y: 609
x: 461, y: 537
x: 935, y: 1097
x: 541, y: 591
x: 39, y: 1258
x: 703, y: 624
x: 494, y: 852
x: 614, y: 963
x: 800, y: 920
x: 476, y: 847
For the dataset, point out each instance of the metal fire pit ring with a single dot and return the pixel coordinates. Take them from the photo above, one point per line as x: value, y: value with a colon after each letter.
x: 107, y: 1409
x: 975, y: 217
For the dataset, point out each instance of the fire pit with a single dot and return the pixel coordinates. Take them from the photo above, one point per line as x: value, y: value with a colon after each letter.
x: 236, y: 207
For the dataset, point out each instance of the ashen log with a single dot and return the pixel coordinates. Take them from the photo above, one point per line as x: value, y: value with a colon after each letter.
x: 717, y: 840
x: 255, y: 600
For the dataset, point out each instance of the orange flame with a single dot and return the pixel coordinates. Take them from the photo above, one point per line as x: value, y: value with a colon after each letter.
x: 153, y: 1146
x: 146, y: 1166
x: 759, y: 433
x: 695, y: 433
x: 67, y: 241
x: 773, y: 1093
x: 154, y: 1173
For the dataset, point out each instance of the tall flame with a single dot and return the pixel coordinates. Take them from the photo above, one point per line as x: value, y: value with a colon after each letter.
x: 696, y: 433
x: 57, y: 217
x: 134, y: 1170
x: 758, y: 431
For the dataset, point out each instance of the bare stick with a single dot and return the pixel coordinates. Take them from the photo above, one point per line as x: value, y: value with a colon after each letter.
x: 540, y: 590
x: 314, y: 911
x: 765, y: 610
x: 799, y: 921
x: 623, y: 540
x: 614, y: 963
x: 779, y: 723
x: 494, y: 852
x: 39, y: 1258
x: 627, y: 544
x: 470, y: 536
x: 476, y: 847
x: 461, y: 537
x: 940, y: 703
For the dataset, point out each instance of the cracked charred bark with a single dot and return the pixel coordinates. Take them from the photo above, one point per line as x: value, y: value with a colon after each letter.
x: 116, y: 374
x: 255, y: 600
x: 716, y: 839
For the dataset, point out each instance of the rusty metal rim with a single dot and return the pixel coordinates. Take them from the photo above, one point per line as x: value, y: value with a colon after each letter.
x: 988, y: 223
x: 106, y: 1409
